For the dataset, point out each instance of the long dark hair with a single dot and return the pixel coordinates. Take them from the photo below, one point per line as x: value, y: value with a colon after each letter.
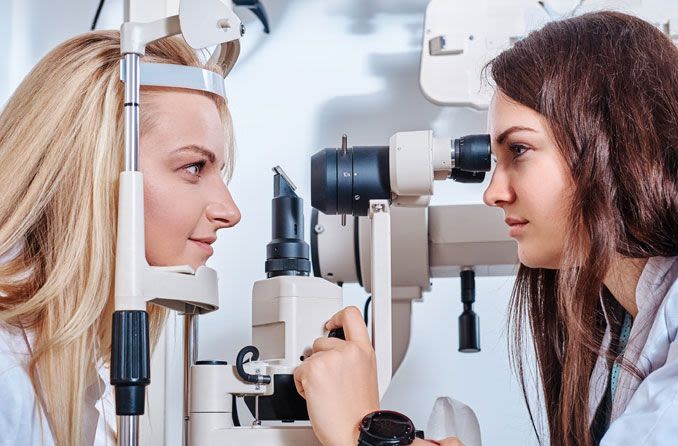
x: 607, y: 84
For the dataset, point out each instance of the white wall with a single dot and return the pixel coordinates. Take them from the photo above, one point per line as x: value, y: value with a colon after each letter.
x: 328, y: 67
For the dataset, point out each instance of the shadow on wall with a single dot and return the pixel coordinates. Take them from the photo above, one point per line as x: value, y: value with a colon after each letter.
x: 373, y: 118
x: 364, y: 12
x: 400, y: 105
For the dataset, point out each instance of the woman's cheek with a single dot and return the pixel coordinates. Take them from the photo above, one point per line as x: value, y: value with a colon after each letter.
x: 541, y: 246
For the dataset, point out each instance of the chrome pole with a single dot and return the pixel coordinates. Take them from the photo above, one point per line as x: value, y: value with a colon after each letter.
x: 131, y: 75
x: 190, y: 357
x: 128, y: 430
x: 128, y: 425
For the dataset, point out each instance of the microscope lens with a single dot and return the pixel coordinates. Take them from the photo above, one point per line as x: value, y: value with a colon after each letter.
x: 344, y: 181
x: 472, y: 153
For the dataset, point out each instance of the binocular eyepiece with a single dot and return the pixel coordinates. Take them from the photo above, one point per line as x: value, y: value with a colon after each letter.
x: 343, y: 181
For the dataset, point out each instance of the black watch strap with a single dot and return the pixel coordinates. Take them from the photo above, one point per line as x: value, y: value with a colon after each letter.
x: 387, y: 428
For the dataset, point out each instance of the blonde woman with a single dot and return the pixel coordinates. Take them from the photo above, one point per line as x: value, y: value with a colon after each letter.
x: 61, y: 151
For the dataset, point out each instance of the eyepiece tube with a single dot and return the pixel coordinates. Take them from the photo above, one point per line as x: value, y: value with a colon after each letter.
x: 472, y: 153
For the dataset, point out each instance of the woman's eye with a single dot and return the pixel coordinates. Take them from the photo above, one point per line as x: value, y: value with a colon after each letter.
x: 517, y: 150
x: 195, y: 168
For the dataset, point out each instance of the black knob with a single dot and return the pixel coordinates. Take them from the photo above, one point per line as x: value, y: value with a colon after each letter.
x: 337, y: 333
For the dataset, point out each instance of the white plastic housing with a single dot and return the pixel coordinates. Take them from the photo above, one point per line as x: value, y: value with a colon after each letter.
x: 288, y: 314
x: 208, y: 22
x: 416, y: 159
x: 471, y: 235
x: 459, y: 38
x: 410, y: 160
x: 212, y: 429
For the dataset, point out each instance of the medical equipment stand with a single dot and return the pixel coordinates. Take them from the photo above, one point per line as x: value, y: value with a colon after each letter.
x: 202, y: 24
x: 288, y: 313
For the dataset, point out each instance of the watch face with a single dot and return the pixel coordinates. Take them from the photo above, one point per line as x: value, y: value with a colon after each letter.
x: 388, y: 425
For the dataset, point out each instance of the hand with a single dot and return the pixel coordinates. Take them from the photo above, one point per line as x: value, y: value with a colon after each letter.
x: 339, y: 381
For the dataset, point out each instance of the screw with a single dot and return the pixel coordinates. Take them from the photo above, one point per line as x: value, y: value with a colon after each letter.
x: 319, y: 229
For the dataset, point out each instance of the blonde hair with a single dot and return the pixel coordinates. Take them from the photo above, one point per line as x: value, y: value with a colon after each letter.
x: 61, y: 151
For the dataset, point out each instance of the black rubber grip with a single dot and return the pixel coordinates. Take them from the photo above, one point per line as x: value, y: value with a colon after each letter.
x: 130, y: 361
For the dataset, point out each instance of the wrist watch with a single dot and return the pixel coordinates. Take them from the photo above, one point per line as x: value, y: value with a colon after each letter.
x: 387, y: 428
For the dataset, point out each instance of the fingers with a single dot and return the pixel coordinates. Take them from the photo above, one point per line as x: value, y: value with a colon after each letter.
x: 351, y: 320
x: 322, y: 344
x: 300, y: 376
x: 313, y: 365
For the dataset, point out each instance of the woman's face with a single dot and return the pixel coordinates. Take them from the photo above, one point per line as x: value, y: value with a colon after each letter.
x: 531, y: 182
x: 185, y: 198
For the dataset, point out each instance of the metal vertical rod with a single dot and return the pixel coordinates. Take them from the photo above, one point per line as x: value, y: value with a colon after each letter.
x: 131, y: 76
x: 128, y: 425
x: 128, y: 430
x: 190, y: 357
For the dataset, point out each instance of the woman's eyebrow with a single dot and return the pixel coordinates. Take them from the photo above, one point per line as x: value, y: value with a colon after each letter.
x: 198, y: 149
x: 516, y: 128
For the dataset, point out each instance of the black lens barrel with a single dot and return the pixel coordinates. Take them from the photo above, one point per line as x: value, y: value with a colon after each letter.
x: 472, y: 153
x: 287, y: 253
x: 344, y: 181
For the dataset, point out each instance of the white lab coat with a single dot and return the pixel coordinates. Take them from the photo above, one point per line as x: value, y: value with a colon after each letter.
x: 20, y: 422
x: 644, y: 412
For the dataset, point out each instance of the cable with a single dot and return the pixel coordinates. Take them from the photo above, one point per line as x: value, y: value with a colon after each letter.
x: 367, y: 307
x: 240, y: 360
x: 96, y: 16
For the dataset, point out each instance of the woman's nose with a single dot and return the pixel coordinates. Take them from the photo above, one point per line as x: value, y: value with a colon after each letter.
x: 224, y: 213
x: 499, y: 191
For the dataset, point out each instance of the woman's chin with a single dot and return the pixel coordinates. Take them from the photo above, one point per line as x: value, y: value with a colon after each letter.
x: 535, y: 258
x: 195, y: 266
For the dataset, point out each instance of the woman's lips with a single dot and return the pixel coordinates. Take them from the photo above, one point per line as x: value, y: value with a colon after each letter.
x: 516, y: 226
x: 204, y: 246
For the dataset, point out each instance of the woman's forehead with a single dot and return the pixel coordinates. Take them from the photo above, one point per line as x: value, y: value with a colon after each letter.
x: 505, y: 114
x: 184, y: 119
